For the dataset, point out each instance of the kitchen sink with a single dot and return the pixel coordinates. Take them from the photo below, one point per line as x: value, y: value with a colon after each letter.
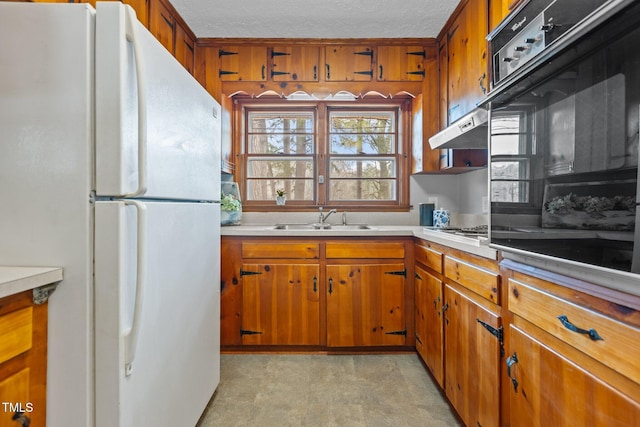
x: 320, y: 227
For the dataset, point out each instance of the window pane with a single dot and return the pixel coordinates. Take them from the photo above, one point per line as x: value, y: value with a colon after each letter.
x: 280, y: 168
x: 280, y: 144
x: 362, y: 168
x: 363, y: 121
x: 510, y: 169
x: 362, y: 144
x: 509, y: 191
x: 362, y: 132
x: 280, y: 122
x: 358, y: 189
x: 265, y: 189
x: 505, y: 124
x: 506, y: 144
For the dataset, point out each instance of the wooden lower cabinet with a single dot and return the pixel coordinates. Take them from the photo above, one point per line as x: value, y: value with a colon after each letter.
x: 23, y: 361
x: 365, y: 305
x: 572, y: 357
x: 281, y: 304
x: 472, y: 357
x: 549, y: 389
x: 338, y: 293
x: 429, y: 322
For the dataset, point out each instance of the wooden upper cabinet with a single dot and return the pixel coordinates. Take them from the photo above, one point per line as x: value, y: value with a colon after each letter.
x: 295, y: 63
x: 184, y: 49
x: 467, y: 81
x: 401, y: 63
x: 162, y: 24
x: 498, y: 10
x: 140, y: 6
x: 348, y: 63
x: 248, y: 63
x: 142, y: 10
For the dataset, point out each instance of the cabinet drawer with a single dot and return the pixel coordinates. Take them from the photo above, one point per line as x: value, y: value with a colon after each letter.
x: 429, y: 257
x: 477, y: 279
x: 281, y: 250
x: 365, y: 250
x: 15, y: 333
x: 615, y: 344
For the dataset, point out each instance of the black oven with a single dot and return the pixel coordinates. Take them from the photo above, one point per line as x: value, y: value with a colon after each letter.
x: 564, y: 114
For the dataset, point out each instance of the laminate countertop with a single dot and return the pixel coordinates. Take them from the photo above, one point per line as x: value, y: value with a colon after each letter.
x: 266, y: 230
x: 14, y: 280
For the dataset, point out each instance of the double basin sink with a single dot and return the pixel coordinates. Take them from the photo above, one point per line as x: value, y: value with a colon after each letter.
x: 322, y: 226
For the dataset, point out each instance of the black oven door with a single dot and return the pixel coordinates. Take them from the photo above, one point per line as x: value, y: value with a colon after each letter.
x: 564, y: 153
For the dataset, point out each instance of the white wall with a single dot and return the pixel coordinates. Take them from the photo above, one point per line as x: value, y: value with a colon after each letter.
x: 460, y: 194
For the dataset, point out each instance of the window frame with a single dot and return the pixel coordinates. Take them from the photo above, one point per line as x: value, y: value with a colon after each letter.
x: 321, y: 157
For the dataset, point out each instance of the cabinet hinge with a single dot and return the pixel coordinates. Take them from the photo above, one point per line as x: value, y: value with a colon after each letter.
x: 225, y: 73
x: 366, y: 73
x: 278, y: 73
x: 404, y: 332
x: 274, y: 54
x: 222, y: 52
x: 249, y: 273
x: 417, y: 73
x: 418, y: 53
x: 397, y: 273
x: 419, y: 340
x: 245, y: 332
x: 498, y: 333
x: 365, y: 53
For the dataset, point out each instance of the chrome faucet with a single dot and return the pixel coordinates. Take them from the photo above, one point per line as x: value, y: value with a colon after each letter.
x: 323, y: 218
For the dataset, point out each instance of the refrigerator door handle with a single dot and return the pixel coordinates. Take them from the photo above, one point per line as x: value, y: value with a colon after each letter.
x: 133, y: 38
x: 131, y: 335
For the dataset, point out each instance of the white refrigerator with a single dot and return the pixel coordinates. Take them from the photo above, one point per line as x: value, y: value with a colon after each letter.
x: 110, y: 168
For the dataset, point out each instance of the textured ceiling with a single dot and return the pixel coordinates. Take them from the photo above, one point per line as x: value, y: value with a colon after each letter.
x: 315, y: 18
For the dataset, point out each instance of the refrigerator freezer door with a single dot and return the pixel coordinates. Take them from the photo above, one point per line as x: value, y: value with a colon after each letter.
x: 168, y: 373
x: 157, y: 129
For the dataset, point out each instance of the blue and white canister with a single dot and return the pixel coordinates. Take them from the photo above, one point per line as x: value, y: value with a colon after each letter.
x: 441, y: 218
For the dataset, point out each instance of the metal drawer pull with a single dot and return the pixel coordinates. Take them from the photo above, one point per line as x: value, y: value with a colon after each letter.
x: 512, y: 360
x: 591, y: 332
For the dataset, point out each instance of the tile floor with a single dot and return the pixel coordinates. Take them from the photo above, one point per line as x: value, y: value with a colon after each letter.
x: 326, y: 390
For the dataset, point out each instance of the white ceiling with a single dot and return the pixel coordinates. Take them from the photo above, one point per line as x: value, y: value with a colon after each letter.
x: 315, y: 18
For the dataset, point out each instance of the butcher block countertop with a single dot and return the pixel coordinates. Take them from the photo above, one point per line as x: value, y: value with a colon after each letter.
x: 14, y: 280
x: 256, y: 230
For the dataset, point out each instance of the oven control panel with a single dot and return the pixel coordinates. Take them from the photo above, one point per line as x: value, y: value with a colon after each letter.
x: 529, y: 42
x: 531, y: 29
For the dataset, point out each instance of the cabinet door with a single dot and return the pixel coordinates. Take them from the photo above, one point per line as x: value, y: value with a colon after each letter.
x: 429, y: 325
x: 548, y: 389
x: 467, y: 55
x: 247, y: 63
x: 140, y: 6
x: 401, y: 63
x: 348, y: 63
x: 295, y: 63
x: 280, y: 304
x: 185, y: 47
x: 14, y: 390
x: 162, y: 25
x: 472, y: 361
x: 365, y: 305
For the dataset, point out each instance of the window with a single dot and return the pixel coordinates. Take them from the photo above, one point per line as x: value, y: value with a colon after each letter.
x: 324, y: 154
x: 512, y: 148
